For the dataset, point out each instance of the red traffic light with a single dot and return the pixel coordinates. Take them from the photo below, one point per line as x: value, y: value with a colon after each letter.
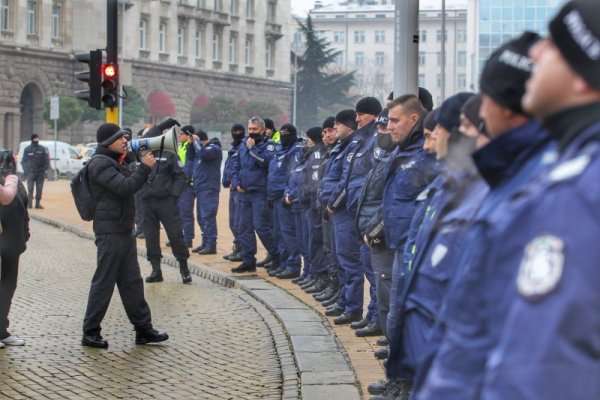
x: 109, y: 71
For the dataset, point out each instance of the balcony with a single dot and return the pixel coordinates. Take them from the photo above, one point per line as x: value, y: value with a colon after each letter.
x: 220, y: 18
x: 273, y: 31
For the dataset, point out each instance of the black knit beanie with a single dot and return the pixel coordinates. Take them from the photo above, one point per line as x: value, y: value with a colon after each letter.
x: 430, y: 120
x: 426, y: 99
x: 315, y: 134
x: 107, y: 133
x: 471, y: 110
x: 448, y: 114
x: 329, y: 122
x: 347, y: 118
x: 368, y: 105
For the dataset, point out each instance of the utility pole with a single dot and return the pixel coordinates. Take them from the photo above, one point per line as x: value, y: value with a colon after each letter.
x: 443, y: 52
x: 112, y: 58
x: 406, y: 47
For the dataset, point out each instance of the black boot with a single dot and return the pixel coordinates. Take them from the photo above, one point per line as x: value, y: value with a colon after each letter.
x: 237, y: 248
x: 262, y: 263
x: 185, y: 271
x: 156, y: 274
x: 38, y: 205
x: 332, y: 300
x: 319, y: 285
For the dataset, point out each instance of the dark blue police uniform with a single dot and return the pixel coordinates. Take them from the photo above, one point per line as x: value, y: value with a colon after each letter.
x: 234, y: 196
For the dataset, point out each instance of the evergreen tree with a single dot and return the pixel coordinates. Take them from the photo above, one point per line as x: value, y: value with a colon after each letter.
x: 318, y: 90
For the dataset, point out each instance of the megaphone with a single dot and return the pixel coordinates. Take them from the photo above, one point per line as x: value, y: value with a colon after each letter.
x: 164, y: 142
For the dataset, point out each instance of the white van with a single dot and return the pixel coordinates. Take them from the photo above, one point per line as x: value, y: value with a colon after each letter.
x: 67, y: 161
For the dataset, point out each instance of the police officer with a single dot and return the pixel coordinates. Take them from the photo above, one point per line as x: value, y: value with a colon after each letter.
x: 280, y: 169
x: 207, y: 185
x: 518, y: 152
x: 237, y: 134
x: 548, y: 343
x: 250, y: 179
x: 36, y: 161
x: 159, y: 205
x: 187, y: 197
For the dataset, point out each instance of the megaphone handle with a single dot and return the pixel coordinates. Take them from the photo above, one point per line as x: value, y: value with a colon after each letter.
x: 160, y: 153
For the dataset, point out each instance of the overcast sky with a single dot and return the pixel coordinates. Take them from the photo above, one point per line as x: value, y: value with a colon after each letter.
x: 301, y: 7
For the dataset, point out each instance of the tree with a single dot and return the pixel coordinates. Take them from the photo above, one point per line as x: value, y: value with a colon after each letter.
x: 216, y: 115
x: 318, y: 89
x: 70, y: 109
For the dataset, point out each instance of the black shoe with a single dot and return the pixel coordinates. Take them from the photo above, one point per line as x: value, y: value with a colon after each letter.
x: 141, y: 235
x: 207, y: 250
x: 39, y: 206
x: 184, y: 270
x: 150, y: 336
x: 94, y: 341
x: 318, y: 287
x: 334, y: 311
x: 236, y: 257
x: 347, y: 317
x: 189, y: 245
x: 395, y: 389
x: 298, y: 279
x: 381, y: 354
x: 243, y: 268
x: 332, y: 300
x: 308, y: 284
x: 288, y: 274
x: 382, y: 341
x: 198, y: 249
x: 237, y: 249
x: 360, y: 324
x: 377, y: 387
x: 156, y: 274
x: 373, y: 329
x: 265, y: 261
x: 304, y: 281
x: 268, y: 265
x: 324, y: 295
x: 274, y: 272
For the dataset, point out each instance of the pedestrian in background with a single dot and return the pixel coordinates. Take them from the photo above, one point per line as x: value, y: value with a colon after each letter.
x: 36, y: 160
x: 114, y: 185
x: 14, y: 234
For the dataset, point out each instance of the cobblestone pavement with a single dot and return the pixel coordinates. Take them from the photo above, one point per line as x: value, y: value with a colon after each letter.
x: 220, y: 345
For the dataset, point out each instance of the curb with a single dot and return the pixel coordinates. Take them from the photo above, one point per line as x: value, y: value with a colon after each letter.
x: 314, y: 364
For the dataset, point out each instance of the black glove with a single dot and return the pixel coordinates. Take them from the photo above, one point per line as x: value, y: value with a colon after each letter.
x: 168, y: 123
x: 7, y: 163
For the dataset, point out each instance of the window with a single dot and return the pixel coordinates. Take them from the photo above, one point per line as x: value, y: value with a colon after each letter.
x: 423, y: 36
x: 218, y: 5
x: 380, y: 58
x: 421, y: 58
x: 339, y: 59
x: 422, y: 80
x: 462, y: 81
x: 162, y: 37
x: 5, y: 15
x: 339, y: 37
x: 56, y: 12
x: 216, y: 46
x: 250, y: 9
x: 143, y: 33
x: 269, y: 55
x: 439, y: 35
x: 297, y: 40
x: 379, y: 36
x: 180, y: 41
x: 233, y: 49
x: 439, y: 80
x: 461, y: 35
x: 248, y: 51
x: 461, y: 58
x: 359, y: 58
x: 31, y: 17
x: 198, y: 44
x: 233, y: 8
x: 271, y: 11
x: 321, y: 34
x: 359, y: 36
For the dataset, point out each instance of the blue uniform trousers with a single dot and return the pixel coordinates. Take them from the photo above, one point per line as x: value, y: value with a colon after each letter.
x: 207, y: 207
x: 394, y: 369
x: 382, y: 260
x: 276, y: 232
x: 316, y: 249
x: 287, y: 233
x: 302, y: 232
x: 349, y: 256
x: 186, y: 212
x: 255, y: 217
x: 234, y: 215
x: 329, y: 257
x: 365, y: 256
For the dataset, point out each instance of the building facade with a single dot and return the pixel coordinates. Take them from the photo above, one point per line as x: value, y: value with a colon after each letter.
x: 180, y: 52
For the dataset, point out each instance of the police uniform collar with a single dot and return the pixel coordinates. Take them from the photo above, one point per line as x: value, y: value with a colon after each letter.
x: 565, y: 125
x: 505, y: 154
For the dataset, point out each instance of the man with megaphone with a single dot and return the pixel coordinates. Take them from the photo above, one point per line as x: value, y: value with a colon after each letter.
x: 159, y: 200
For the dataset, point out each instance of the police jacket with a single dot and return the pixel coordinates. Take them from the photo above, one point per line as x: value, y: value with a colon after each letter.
x: 252, y: 166
x: 550, y: 333
x: 361, y: 163
x: 333, y: 192
x: 310, y: 178
x: 35, y: 158
x: 508, y: 163
x: 166, y: 179
x: 369, y: 213
x: 14, y: 219
x: 114, y: 185
x: 207, y: 165
x: 411, y: 170
x: 232, y: 153
x: 280, y: 168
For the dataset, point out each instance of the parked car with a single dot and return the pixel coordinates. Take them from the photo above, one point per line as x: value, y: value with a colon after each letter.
x: 85, y: 152
x: 66, y: 163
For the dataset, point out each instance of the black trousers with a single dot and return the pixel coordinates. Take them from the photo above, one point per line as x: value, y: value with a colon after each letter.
x: 166, y: 211
x: 37, y: 179
x: 382, y: 261
x: 329, y: 258
x: 117, y: 264
x: 9, y: 270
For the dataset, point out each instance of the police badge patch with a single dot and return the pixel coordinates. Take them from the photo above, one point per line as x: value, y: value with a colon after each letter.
x: 270, y: 147
x: 377, y: 152
x: 541, y: 267
x: 349, y: 158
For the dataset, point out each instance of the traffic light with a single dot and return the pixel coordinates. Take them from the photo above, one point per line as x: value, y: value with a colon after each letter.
x: 92, y: 77
x: 110, y: 85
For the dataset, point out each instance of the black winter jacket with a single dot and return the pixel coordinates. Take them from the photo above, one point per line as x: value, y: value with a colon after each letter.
x: 167, y: 177
x: 15, y: 224
x: 114, y: 185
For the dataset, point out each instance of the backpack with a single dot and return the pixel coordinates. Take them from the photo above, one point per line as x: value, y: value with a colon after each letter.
x: 85, y: 201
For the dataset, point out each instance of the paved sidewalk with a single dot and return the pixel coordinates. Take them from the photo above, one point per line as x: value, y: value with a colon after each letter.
x: 60, y: 208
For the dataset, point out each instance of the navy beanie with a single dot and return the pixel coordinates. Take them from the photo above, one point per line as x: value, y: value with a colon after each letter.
x: 368, y: 105
x: 448, y: 115
x: 315, y: 134
x: 430, y: 120
x: 347, y: 118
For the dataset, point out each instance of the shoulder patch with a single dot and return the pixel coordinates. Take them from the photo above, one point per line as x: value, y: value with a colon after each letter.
x: 317, y: 155
x: 570, y: 169
x: 350, y: 155
x: 541, y: 267
x: 423, y: 195
x: 270, y: 147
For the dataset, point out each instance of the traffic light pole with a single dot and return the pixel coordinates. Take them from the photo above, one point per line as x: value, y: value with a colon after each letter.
x: 112, y: 113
